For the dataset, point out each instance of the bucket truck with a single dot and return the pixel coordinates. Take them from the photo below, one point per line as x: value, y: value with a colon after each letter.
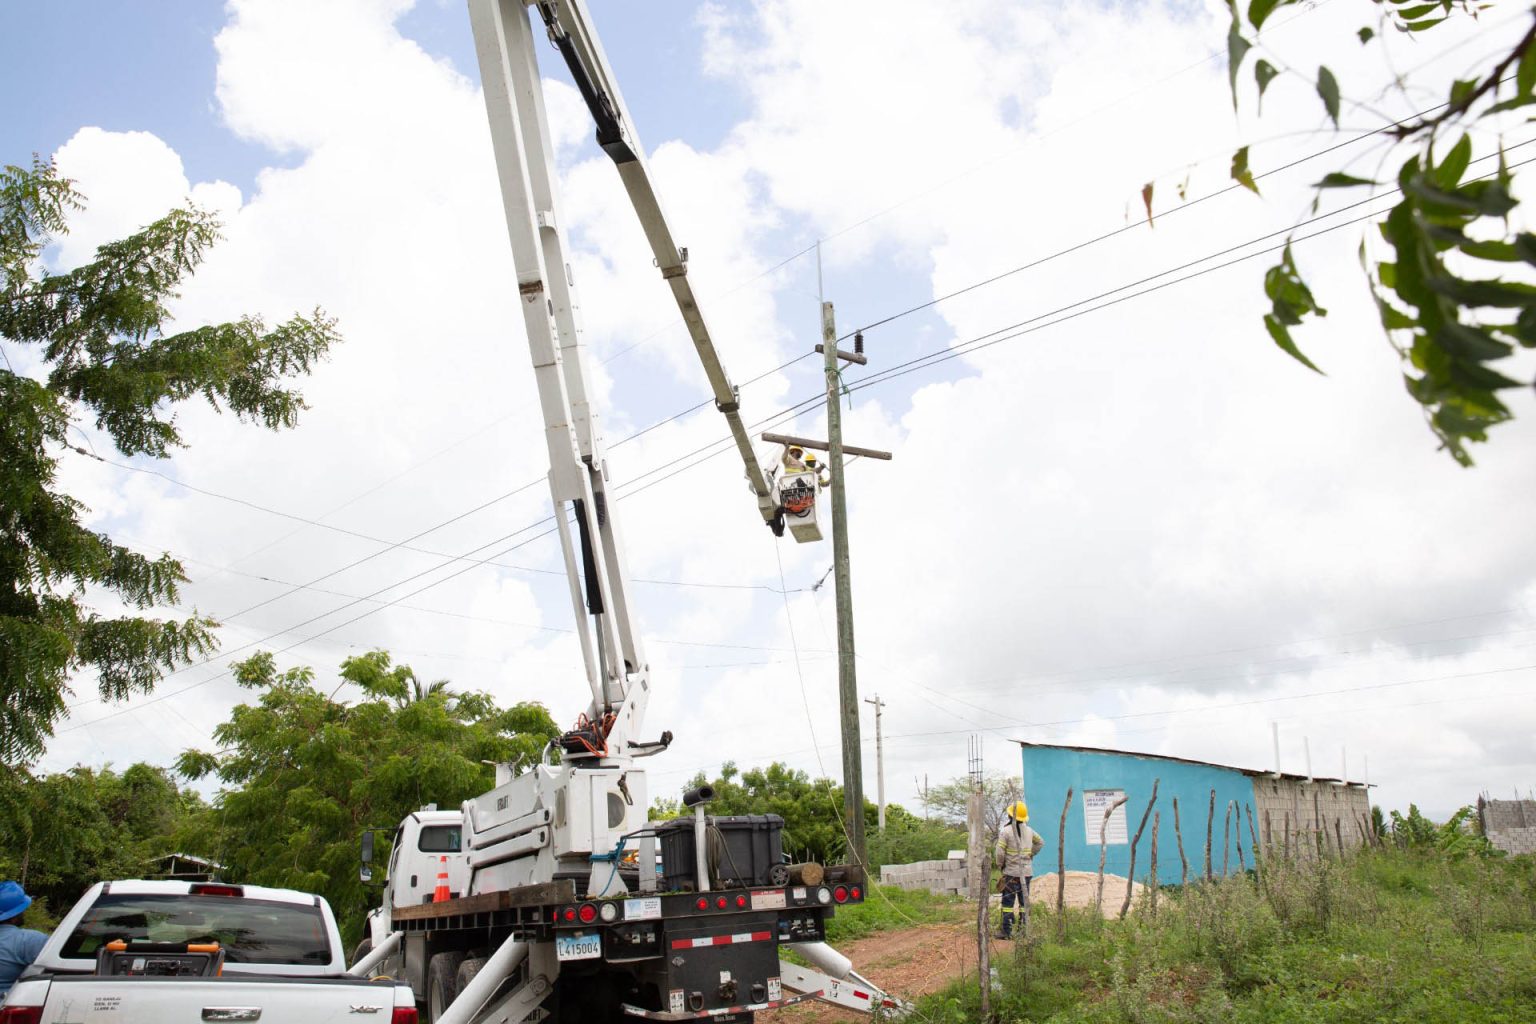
x: 563, y: 901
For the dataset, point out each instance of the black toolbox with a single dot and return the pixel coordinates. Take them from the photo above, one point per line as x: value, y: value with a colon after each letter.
x: 741, y: 850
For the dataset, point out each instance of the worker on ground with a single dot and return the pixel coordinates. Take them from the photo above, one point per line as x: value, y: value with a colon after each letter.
x: 1017, y: 845
x: 18, y: 946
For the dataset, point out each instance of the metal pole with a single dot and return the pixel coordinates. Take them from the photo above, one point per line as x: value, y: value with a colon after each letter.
x: 847, y: 681
x: 879, y: 759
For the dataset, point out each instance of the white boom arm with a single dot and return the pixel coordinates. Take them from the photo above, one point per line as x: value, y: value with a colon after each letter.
x: 504, y: 43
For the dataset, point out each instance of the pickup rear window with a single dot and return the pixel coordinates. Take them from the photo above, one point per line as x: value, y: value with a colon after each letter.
x: 251, y: 931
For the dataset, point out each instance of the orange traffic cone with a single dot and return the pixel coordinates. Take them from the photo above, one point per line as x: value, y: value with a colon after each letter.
x: 441, y: 892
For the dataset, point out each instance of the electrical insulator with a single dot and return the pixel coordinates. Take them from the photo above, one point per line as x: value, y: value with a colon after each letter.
x: 858, y: 343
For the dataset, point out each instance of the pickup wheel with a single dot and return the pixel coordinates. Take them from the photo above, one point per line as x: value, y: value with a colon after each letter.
x: 442, y: 982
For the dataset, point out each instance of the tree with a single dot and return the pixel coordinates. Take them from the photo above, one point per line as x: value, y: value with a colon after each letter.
x: 1441, y: 284
x: 950, y: 801
x: 99, y: 334
x: 812, y: 810
x: 304, y: 773
x: 66, y: 831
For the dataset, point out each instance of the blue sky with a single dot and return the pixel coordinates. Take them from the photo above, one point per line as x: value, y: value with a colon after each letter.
x: 1145, y: 507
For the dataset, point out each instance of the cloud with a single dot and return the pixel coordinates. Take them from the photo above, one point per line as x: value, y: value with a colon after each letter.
x: 1121, y: 529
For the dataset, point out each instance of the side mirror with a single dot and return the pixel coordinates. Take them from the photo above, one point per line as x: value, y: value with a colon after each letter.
x: 367, y: 850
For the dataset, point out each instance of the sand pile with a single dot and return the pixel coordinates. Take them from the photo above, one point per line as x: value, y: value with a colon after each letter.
x: 1082, y: 887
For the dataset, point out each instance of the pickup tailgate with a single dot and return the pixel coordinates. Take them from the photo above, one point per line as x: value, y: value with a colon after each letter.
x: 86, y: 999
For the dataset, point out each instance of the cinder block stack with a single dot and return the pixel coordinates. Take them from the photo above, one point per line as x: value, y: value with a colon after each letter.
x: 940, y: 876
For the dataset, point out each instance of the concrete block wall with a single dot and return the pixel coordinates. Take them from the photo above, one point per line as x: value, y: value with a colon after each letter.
x: 940, y: 876
x: 1290, y: 814
x: 1510, y: 825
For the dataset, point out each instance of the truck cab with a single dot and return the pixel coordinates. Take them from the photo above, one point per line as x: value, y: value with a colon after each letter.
x: 425, y: 844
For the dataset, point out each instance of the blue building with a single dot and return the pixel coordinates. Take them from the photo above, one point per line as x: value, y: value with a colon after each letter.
x: 1284, y: 813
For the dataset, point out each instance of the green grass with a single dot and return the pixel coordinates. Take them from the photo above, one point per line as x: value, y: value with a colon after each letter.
x: 886, y: 907
x: 1389, y: 936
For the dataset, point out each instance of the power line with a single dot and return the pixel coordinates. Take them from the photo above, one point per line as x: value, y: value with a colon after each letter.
x: 905, y: 368
x: 901, y: 370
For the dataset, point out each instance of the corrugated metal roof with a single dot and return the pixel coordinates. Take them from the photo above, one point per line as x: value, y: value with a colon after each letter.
x: 1252, y: 772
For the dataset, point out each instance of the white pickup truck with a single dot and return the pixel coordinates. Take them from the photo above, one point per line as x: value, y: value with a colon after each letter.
x: 167, y: 952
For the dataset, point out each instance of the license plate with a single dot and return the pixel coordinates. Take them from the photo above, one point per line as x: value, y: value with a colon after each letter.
x: 578, y: 946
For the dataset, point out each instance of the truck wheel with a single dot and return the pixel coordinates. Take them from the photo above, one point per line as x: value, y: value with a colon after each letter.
x: 442, y: 986
x: 467, y: 971
x: 363, y: 949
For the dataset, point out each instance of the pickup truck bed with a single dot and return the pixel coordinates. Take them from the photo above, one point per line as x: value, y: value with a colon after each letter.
x: 166, y: 952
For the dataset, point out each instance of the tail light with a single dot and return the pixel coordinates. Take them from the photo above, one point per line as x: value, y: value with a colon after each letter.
x: 840, y: 894
x: 214, y: 889
x: 570, y: 913
x: 587, y: 913
x: 856, y: 893
x: 720, y: 902
x: 702, y: 903
x: 31, y: 1015
x: 741, y: 902
x: 404, y: 1015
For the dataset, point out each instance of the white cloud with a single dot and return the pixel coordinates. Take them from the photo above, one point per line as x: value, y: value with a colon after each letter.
x: 1143, y: 509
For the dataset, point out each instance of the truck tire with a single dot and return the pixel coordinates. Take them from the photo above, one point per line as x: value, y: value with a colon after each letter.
x: 442, y: 982
x: 363, y: 949
x: 467, y: 971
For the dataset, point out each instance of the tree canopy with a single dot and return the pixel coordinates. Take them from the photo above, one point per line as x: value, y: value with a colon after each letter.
x: 304, y: 773
x: 812, y: 810
x: 99, y: 345
x: 1450, y: 274
x: 66, y: 831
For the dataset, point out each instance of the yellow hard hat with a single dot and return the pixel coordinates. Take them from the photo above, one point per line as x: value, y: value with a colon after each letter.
x: 1018, y: 812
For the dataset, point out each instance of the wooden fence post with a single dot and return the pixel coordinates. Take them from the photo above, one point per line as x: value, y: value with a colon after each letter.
x: 1061, y: 867
x: 1130, y: 874
x: 1226, y: 839
x: 1237, y: 809
x: 1178, y: 836
x: 1210, y: 825
x: 1098, y: 902
x: 1254, y: 836
x: 1319, y: 833
x: 1152, y: 874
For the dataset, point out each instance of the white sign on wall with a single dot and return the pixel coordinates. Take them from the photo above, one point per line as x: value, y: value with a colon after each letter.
x: 1095, y: 803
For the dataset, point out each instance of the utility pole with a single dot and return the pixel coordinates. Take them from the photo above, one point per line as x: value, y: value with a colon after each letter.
x: 879, y: 758
x: 847, y: 679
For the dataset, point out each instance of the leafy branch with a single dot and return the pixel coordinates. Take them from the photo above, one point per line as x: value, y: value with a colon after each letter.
x: 1444, y: 298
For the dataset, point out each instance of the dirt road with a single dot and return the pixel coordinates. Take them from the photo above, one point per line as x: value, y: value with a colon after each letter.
x: 909, y: 962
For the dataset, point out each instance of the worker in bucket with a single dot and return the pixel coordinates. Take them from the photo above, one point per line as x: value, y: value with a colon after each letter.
x: 1017, y: 845
x: 18, y: 946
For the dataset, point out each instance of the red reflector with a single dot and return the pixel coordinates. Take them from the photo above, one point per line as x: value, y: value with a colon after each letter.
x: 210, y: 889
x: 570, y: 913
x: 856, y: 894
x: 588, y: 913
x: 840, y: 894
x: 741, y: 902
x: 702, y: 903
x: 720, y: 902
x: 404, y: 1015
x: 26, y: 1015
